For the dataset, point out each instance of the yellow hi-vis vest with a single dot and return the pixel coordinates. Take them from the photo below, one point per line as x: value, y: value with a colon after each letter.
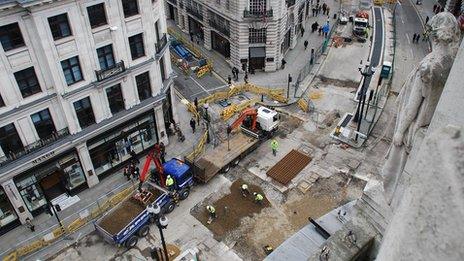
x: 169, y: 181
x: 259, y: 197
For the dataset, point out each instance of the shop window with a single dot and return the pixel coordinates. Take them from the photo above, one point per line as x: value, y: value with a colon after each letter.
x: 31, y: 193
x: 27, y: 82
x: 73, y: 174
x: 43, y: 123
x: 97, y: 15
x: 84, y: 112
x: 105, y: 57
x: 59, y: 25
x: 72, y: 70
x: 11, y: 37
x: 7, y: 213
x: 143, y: 86
x: 130, y: 7
x: 136, y: 46
x: 115, y: 98
x: 10, y: 143
x: 114, y: 148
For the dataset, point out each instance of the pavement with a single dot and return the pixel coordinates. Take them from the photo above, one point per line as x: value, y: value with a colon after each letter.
x: 107, y: 187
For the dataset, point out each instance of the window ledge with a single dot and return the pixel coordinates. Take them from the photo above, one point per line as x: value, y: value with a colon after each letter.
x: 134, y: 17
x: 64, y: 40
x: 16, y: 50
x: 101, y: 28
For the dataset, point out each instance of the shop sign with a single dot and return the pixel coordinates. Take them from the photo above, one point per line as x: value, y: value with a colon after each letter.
x: 43, y: 157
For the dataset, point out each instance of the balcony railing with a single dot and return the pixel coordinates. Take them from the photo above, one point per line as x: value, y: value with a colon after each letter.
x: 220, y: 27
x: 161, y: 44
x: 257, y: 13
x: 195, y: 12
x: 9, y: 157
x: 110, y: 72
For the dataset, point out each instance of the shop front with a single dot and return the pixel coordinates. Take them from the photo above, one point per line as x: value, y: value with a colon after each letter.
x: 196, y: 31
x: 111, y: 149
x: 257, y: 57
x: 8, y: 217
x: 220, y: 44
x: 60, y: 176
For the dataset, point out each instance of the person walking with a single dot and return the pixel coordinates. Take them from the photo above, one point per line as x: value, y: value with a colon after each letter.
x: 30, y: 225
x: 244, y: 189
x: 162, y: 152
x: 327, y: 10
x: 192, y: 124
x: 274, y: 146
x: 245, y: 77
x: 417, y: 38
x: 212, y: 213
x: 283, y: 63
x: 320, y: 30
x: 306, y: 44
x: 434, y: 8
x: 258, y: 198
x: 126, y: 172
x: 229, y: 80
x: 324, y: 7
x: 427, y: 19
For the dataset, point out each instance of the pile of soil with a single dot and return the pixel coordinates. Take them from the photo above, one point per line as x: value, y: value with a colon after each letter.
x: 230, y: 210
x: 124, y: 213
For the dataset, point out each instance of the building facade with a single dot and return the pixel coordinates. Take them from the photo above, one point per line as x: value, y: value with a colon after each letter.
x: 253, y: 34
x: 83, y: 83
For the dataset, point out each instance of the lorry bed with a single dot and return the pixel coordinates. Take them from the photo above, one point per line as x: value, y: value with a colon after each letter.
x: 124, y: 213
x: 212, y: 161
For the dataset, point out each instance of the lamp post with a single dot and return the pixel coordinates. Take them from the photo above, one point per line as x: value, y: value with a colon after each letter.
x: 367, y: 73
x: 288, y: 86
x: 161, y: 222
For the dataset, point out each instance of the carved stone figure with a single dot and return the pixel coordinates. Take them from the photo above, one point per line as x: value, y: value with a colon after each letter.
x: 419, y: 97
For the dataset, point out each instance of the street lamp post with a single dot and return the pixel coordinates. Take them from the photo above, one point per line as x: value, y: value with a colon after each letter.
x: 288, y: 86
x: 161, y: 222
x: 367, y: 73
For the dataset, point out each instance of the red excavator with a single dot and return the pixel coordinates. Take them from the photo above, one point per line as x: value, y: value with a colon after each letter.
x: 257, y: 123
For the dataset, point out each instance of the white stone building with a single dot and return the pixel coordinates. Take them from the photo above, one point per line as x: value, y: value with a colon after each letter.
x: 256, y: 33
x: 83, y: 83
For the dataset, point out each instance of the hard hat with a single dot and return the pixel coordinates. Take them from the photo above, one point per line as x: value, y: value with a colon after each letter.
x: 254, y: 193
x: 169, y: 176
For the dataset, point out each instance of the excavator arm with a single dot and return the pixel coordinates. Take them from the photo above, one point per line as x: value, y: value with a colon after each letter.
x: 153, y: 156
x: 245, y: 113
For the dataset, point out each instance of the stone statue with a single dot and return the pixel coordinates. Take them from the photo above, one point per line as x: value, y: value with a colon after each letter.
x: 419, y: 96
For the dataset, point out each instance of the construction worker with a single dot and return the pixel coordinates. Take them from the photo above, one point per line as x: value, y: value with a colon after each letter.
x: 244, y: 190
x: 211, y: 211
x: 170, y: 183
x: 258, y: 198
x: 274, y: 146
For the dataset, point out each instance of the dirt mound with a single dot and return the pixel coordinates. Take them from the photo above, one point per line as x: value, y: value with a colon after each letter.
x: 230, y: 210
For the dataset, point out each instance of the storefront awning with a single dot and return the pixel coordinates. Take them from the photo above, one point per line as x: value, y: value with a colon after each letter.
x: 257, y: 52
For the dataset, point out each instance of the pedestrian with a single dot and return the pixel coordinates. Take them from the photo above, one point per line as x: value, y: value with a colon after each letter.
x: 434, y: 8
x: 192, y: 124
x: 314, y: 11
x: 283, y: 63
x: 30, y: 225
x: 258, y: 198
x: 244, y: 190
x: 135, y: 172
x: 427, y: 19
x: 442, y: 9
x: 319, y: 9
x: 195, y: 102
x: 327, y: 10
x: 170, y: 183
x: 126, y: 172
x: 162, y: 152
x: 229, y: 80
x: 274, y: 146
x: 320, y: 30
x: 417, y: 38
x: 324, y: 7
x: 414, y: 38
x: 245, y: 77
x: 134, y: 157
x: 305, y: 44
x: 302, y: 31
x: 212, y: 212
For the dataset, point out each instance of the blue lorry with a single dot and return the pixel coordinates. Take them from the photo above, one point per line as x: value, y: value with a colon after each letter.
x: 124, y: 224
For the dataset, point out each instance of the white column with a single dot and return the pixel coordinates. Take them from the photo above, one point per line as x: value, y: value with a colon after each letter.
x: 87, y: 166
x: 163, y: 137
x: 16, y: 200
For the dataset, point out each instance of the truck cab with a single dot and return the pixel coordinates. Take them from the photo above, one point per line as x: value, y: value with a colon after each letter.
x: 182, y: 175
x: 268, y: 119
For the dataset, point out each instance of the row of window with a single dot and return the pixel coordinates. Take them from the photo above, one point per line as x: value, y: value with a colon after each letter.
x: 10, y: 143
x: 256, y: 35
x: 29, y: 85
x: 11, y: 37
